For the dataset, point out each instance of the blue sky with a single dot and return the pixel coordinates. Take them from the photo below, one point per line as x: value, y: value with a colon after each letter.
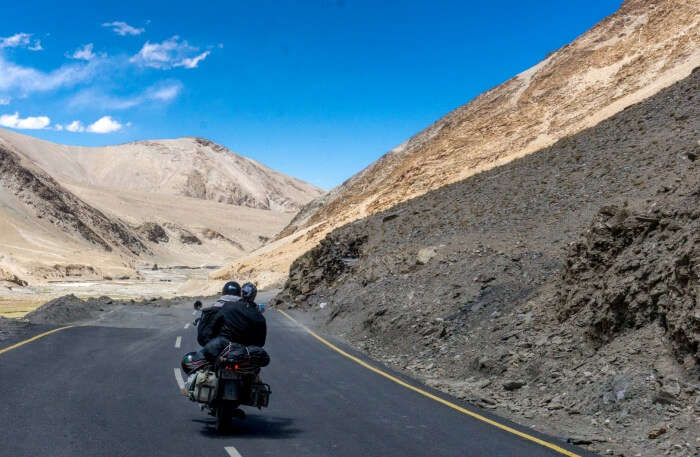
x: 316, y: 89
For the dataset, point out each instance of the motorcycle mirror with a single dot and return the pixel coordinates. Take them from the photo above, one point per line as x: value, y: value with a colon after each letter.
x: 197, y: 305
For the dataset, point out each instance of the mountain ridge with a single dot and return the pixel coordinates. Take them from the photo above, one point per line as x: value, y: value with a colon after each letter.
x: 106, y: 211
x: 560, y: 289
x: 625, y: 58
x: 188, y: 166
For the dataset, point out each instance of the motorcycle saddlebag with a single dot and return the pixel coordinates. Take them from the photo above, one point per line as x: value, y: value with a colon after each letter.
x: 260, y: 395
x: 235, y: 353
x: 253, y: 355
x: 258, y: 356
x: 204, y: 387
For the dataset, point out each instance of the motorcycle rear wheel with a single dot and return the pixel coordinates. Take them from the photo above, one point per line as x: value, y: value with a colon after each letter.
x: 224, y: 416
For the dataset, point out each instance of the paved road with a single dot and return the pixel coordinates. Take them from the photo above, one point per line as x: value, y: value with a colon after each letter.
x: 111, y: 391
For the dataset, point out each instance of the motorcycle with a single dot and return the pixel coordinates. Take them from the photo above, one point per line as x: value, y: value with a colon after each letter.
x: 232, y: 380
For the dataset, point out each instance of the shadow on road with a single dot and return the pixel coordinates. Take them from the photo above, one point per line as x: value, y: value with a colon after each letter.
x: 253, y: 427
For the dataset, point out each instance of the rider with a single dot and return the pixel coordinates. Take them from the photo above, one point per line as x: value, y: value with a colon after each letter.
x: 205, y: 328
x: 238, y: 321
x: 241, y: 321
x: 235, y: 317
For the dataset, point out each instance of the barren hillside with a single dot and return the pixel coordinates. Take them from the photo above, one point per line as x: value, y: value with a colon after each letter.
x: 99, y: 212
x: 47, y: 230
x: 192, y: 167
x: 643, y: 47
x: 560, y: 289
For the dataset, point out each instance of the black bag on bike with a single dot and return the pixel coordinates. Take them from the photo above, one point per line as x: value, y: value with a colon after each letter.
x: 246, y: 355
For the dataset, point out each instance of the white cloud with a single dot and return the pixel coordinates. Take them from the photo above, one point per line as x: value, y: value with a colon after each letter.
x: 163, y: 92
x: 168, y: 54
x: 58, y: 127
x: 83, y: 53
x: 29, y: 123
x: 25, y: 80
x: 192, y: 62
x: 104, y: 125
x: 75, y: 126
x: 157, y: 55
x: 122, y: 28
x: 22, y: 40
x: 5, y: 100
x: 16, y: 40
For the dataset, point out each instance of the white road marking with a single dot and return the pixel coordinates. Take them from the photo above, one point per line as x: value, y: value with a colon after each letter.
x: 232, y: 451
x: 187, y: 325
x: 178, y: 378
x: 178, y: 341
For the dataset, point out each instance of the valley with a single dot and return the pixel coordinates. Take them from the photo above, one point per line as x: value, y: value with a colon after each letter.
x: 524, y: 270
x: 74, y: 214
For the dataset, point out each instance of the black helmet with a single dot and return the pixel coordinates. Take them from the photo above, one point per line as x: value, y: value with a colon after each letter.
x: 232, y: 288
x: 249, y: 291
x: 192, y: 361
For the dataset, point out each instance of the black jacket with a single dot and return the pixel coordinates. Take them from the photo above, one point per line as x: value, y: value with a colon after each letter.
x: 241, y: 322
x: 205, y: 327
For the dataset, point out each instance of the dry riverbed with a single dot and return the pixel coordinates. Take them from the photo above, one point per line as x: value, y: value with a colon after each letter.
x: 17, y: 301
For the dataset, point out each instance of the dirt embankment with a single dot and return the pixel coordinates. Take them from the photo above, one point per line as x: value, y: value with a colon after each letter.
x: 11, y: 327
x: 65, y: 310
x: 103, y: 311
x: 70, y: 309
x: 487, y: 290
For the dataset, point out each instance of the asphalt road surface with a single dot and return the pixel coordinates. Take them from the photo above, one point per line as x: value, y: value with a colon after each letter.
x: 111, y: 389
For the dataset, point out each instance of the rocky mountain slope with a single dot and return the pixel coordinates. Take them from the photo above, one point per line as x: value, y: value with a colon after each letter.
x: 486, y: 288
x: 645, y: 46
x: 100, y: 212
x: 192, y: 167
x: 32, y: 202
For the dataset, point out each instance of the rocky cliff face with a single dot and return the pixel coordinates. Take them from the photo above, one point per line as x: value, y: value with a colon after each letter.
x: 643, y: 47
x: 486, y: 288
x: 630, y: 270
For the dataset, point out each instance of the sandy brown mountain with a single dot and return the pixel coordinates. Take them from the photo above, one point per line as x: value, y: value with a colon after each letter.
x: 192, y: 167
x: 643, y: 47
x: 102, y: 211
x: 45, y: 230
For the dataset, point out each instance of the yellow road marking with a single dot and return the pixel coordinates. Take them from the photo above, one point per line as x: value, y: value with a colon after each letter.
x: 34, y: 338
x: 524, y: 435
